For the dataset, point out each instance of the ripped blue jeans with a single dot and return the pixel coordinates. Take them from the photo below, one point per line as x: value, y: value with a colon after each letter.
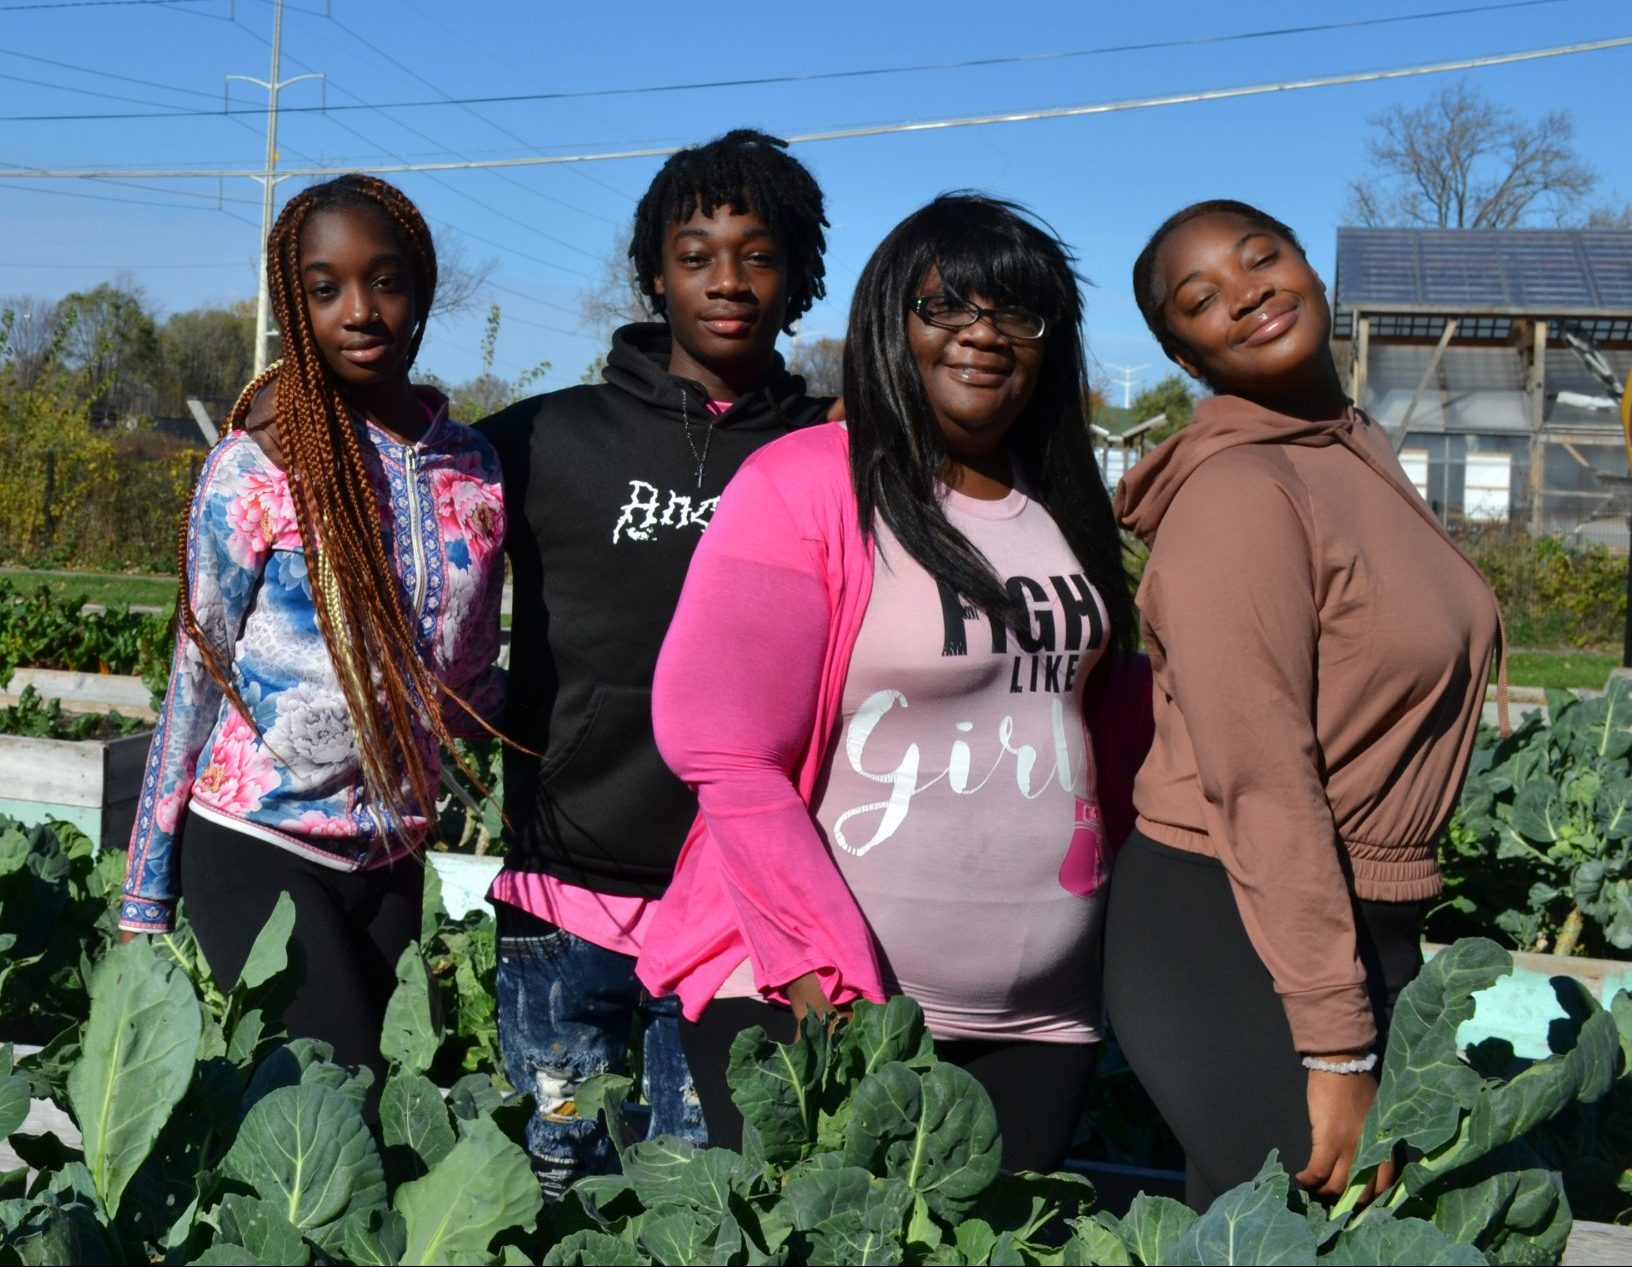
x: 568, y: 1009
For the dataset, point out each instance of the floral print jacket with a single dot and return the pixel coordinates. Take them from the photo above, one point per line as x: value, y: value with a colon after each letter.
x: 294, y: 778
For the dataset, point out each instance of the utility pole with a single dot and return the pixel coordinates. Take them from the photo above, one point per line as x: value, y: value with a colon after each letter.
x: 1126, y: 373
x: 269, y: 178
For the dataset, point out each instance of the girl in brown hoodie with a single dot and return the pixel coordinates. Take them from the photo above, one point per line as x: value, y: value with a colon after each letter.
x: 1320, y: 651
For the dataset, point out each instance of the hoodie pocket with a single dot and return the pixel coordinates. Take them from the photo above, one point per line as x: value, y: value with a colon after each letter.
x: 610, y: 793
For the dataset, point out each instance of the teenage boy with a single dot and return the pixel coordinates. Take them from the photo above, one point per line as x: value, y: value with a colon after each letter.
x: 608, y: 489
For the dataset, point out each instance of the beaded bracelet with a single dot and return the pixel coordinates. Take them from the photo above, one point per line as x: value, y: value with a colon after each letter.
x: 1365, y: 1064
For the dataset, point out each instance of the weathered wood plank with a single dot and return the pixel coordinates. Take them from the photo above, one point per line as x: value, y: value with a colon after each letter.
x: 1593, y: 1243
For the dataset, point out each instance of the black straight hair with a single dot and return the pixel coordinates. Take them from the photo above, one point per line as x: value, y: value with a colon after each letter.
x: 1147, y: 288
x: 752, y: 173
x: 993, y: 249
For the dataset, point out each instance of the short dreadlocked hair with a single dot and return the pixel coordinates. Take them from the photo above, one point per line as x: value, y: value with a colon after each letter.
x: 752, y: 173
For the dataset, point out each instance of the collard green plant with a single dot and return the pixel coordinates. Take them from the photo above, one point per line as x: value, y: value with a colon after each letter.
x: 208, y: 1138
x: 56, y: 914
x: 860, y: 1147
x: 40, y: 630
x: 1540, y: 845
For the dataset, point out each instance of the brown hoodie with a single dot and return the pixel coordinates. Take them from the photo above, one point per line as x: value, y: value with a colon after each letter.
x: 1320, y: 651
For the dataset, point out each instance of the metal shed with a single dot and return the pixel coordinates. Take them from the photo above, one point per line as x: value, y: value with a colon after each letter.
x: 1496, y: 358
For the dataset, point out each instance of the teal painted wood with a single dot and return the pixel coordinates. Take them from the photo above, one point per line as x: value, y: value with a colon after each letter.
x: 1522, y: 1005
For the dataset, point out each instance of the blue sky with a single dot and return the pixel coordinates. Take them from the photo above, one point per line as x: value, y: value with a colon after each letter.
x: 1103, y: 181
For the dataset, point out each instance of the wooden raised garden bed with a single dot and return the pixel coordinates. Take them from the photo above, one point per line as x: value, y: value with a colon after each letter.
x: 92, y: 783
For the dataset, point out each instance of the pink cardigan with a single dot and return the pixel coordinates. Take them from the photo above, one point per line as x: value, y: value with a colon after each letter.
x: 744, y: 706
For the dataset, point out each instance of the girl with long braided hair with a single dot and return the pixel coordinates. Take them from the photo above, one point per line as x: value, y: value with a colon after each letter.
x: 338, y: 623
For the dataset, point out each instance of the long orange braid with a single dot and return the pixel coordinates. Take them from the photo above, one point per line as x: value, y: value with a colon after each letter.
x: 380, y: 658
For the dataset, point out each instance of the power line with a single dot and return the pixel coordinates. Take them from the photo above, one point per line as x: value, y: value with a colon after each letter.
x: 115, y: 267
x: 94, y: 4
x: 81, y: 92
x: 818, y: 76
x: 508, y: 179
x: 926, y: 125
x: 134, y: 202
x: 105, y: 74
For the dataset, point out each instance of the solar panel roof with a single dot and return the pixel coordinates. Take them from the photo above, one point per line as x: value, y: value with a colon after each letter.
x: 1542, y: 271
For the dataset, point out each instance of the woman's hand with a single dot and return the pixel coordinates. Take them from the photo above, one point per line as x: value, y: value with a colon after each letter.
x: 126, y: 936
x: 1338, y: 1103
x: 805, y: 995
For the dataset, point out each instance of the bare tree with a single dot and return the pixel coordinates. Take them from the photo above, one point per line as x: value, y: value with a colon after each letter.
x: 28, y: 323
x: 1610, y: 216
x: 615, y: 300
x: 821, y: 363
x: 460, y: 278
x: 1461, y: 161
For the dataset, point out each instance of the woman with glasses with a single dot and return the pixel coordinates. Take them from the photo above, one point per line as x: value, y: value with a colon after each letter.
x: 876, y: 680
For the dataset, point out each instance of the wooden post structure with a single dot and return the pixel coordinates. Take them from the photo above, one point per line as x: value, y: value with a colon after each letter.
x: 1626, y: 430
x: 1362, y: 354
x: 1445, y: 337
x: 1535, y: 393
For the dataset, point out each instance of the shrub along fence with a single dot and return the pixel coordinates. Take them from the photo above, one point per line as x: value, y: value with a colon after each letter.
x: 103, y: 501
x: 1552, y: 594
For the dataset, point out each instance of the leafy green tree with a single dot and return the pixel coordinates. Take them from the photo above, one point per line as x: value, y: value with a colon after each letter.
x: 208, y: 353
x: 113, y: 339
x: 1173, y: 397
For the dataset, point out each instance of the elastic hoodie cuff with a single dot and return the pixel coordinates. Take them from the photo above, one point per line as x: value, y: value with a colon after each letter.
x: 147, y: 914
x: 1331, y: 1020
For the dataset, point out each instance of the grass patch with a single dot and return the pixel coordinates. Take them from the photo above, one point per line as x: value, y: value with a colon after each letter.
x: 1560, y: 669
x: 108, y: 588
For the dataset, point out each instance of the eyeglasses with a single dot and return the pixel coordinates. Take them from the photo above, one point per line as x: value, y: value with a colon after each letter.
x: 951, y: 313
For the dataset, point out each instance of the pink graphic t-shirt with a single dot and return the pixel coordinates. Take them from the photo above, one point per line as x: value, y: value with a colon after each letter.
x: 961, y: 775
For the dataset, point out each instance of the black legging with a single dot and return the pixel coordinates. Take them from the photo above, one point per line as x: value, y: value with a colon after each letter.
x: 1036, y: 1088
x: 350, y: 929
x: 1196, y: 1012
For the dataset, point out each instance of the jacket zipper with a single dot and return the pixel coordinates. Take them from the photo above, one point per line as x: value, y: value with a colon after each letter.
x: 414, y: 531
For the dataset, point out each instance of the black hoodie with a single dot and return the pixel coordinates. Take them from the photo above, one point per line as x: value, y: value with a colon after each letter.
x: 607, y: 496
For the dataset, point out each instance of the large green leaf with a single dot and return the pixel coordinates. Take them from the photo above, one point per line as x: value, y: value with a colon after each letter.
x: 1250, y: 1223
x: 1425, y: 1088
x: 413, y: 1116
x: 1380, y: 1240
x: 410, y: 1037
x: 935, y: 1131
x: 230, y: 1254
x: 14, y: 1097
x: 259, y: 1226
x: 880, y: 1033
x: 712, y: 1177
x: 658, y: 1168
x: 605, y: 1096
x: 483, y: 1187
x: 678, y: 1236
x: 777, y: 1088
x: 848, y: 1216
x: 590, y: 1248
x: 374, y: 1238
x: 306, y: 1150
x: 1096, y: 1243
x: 270, y: 953
x: 1504, y: 1112
x: 135, y: 1064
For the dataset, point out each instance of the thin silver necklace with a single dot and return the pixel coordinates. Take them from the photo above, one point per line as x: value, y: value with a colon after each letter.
x: 708, y: 436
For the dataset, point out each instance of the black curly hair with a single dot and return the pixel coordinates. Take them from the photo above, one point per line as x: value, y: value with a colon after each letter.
x: 1147, y: 289
x: 750, y: 172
